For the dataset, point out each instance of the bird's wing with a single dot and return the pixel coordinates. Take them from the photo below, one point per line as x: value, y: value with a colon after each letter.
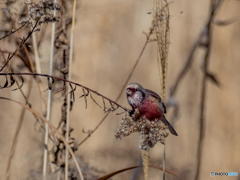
x: 164, y: 107
x: 152, y: 93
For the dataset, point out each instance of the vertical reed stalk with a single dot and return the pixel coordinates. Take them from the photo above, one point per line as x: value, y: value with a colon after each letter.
x: 69, y: 78
x: 36, y: 54
x: 49, y: 102
x: 161, y: 25
x: 145, y: 159
x: 214, y: 6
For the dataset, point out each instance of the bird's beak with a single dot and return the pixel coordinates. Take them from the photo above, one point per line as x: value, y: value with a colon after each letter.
x: 128, y: 92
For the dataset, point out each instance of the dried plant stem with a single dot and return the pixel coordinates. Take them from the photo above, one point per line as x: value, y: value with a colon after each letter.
x: 35, y: 50
x: 123, y: 86
x: 145, y: 160
x: 69, y: 82
x: 10, y: 57
x: 16, y: 134
x: 164, y: 162
x: 94, y: 130
x: 49, y: 102
x: 145, y: 164
x: 208, y: 49
x: 13, y: 31
x: 37, y: 68
x: 161, y: 25
x: 108, y: 176
x: 163, y: 92
x: 36, y: 54
x: 202, y: 108
x: 69, y: 78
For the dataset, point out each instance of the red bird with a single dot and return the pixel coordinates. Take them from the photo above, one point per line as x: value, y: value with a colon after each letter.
x: 148, y: 104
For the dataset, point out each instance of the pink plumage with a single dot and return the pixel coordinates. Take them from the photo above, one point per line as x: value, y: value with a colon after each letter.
x: 150, y: 109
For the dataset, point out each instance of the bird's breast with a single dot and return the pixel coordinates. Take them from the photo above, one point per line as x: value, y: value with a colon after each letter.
x: 150, y: 109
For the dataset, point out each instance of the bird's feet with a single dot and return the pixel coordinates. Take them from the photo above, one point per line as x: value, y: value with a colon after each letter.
x: 134, y: 114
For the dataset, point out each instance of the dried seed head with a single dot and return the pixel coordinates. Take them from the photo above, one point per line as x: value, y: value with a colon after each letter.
x: 151, y: 132
x: 41, y: 12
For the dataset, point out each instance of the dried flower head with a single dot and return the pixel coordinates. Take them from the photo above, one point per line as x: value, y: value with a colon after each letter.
x: 42, y: 12
x: 151, y: 132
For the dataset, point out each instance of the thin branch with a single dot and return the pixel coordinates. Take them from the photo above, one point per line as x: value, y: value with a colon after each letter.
x: 135, y: 64
x: 49, y: 102
x: 13, y: 31
x: 36, y: 54
x: 69, y: 78
x: 227, y: 22
x: 185, y: 69
x: 164, y: 162
x: 20, y: 46
x: 145, y: 161
x: 162, y: 32
x: 123, y: 86
x: 37, y: 69
x: 94, y: 130
x: 208, y: 49
x: 108, y: 176
x: 65, y: 80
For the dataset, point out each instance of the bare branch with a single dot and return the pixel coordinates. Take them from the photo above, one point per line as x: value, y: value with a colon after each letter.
x: 20, y: 46
x: 13, y: 31
x: 123, y: 86
x: 51, y: 80
x: 208, y: 49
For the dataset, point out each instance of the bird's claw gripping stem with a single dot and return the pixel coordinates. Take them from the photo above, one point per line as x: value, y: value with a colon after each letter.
x: 131, y: 112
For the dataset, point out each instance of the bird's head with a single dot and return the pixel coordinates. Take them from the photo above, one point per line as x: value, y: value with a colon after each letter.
x: 132, y: 88
x: 135, y: 94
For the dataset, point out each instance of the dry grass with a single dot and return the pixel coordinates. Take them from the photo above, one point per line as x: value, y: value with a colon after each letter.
x: 91, y: 62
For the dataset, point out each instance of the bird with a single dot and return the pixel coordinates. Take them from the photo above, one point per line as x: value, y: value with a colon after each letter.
x: 148, y: 104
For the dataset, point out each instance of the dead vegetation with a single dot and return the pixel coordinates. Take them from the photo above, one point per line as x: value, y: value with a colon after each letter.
x: 24, y: 38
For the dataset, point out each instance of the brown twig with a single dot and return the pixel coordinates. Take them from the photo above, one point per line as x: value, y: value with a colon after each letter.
x: 227, y: 22
x: 162, y: 33
x: 123, y: 86
x: 20, y: 46
x: 208, y: 48
x: 94, y: 130
x: 69, y: 78
x: 185, y: 69
x: 13, y: 31
x: 65, y: 80
x: 136, y: 63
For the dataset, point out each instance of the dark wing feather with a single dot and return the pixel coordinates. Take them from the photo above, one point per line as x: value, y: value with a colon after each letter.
x: 170, y: 127
x: 164, y: 107
x: 152, y: 93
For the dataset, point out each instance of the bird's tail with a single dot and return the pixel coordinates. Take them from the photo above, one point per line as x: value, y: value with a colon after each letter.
x: 171, y: 129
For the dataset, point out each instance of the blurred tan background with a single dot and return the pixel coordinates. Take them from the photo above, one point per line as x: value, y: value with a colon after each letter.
x: 108, y: 40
